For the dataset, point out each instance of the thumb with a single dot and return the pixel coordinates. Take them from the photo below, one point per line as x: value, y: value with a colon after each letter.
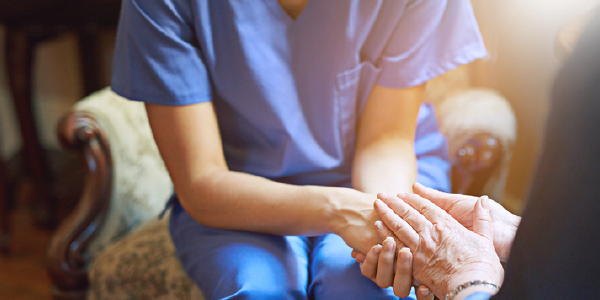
x: 482, y: 220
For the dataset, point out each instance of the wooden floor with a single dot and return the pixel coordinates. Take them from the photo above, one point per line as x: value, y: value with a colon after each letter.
x: 22, y: 271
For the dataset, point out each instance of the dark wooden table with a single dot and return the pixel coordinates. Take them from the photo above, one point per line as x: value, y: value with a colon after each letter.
x: 28, y: 23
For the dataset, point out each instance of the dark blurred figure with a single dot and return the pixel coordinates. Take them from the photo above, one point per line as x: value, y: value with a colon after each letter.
x: 556, y: 252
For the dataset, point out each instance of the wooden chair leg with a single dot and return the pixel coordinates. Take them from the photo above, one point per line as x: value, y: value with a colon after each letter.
x: 19, y: 57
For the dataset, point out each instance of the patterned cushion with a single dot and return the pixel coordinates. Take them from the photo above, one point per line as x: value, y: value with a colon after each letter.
x: 141, y: 266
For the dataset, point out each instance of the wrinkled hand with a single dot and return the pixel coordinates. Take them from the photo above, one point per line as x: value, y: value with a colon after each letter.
x: 460, y: 207
x: 445, y: 253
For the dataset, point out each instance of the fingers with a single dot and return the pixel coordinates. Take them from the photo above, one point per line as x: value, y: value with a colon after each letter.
x: 396, y: 224
x: 383, y: 232
x: 482, y: 220
x: 424, y: 293
x: 432, y: 212
x: 403, y: 280
x: 385, y: 266
x: 358, y: 256
x: 406, y: 212
x: 441, y: 199
x: 369, y: 267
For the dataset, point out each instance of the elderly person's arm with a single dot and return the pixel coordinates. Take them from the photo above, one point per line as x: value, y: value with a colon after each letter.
x: 445, y: 254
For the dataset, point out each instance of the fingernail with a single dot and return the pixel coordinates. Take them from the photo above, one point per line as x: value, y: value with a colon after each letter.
x: 380, y: 204
x: 485, y: 202
x: 404, y: 254
x: 388, y: 244
x: 377, y: 249
x: 424, y: 291
x: 378, y: 224
x: 401, y: 195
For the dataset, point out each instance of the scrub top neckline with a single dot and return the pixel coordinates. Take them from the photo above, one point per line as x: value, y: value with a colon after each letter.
x: 282, y: 14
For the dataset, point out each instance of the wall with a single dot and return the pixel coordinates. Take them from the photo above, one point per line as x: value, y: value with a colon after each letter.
x: 57, y: 85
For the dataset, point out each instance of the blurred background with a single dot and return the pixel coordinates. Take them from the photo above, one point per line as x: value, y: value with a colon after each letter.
x: 520, y: 35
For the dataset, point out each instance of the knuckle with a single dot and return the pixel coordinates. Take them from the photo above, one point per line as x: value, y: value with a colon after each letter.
x: 411, y: 214
x: 397, y: 227
x: 484, y: 218
x: 389, y: 215
x: 425, y: 208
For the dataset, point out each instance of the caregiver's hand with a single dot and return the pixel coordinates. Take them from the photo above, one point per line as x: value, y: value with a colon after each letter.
x: 378, y: 266
x: 352, y: 218
x: 460, y: 207
x: 445, y: 253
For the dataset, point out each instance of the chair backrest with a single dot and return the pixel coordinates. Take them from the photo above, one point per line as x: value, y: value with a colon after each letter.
x: 141, y: 183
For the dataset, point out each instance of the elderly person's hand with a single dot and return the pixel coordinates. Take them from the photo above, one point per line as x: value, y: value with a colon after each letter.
x: 460, y: 207
x: 445, y: 253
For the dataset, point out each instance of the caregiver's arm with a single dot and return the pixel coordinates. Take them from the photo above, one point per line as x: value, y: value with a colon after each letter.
x: 385, y: 161
x: 189, y: 141
x: 385, y: 157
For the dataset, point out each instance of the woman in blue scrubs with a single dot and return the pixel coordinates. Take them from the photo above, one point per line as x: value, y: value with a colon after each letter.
x: 278, y: 121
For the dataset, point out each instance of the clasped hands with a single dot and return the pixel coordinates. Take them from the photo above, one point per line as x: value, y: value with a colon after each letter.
x: 441, y: 240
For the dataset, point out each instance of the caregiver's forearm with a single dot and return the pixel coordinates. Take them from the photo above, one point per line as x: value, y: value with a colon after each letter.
x: 240, y: 201
x: 388, y: 166
x: 385, y: 157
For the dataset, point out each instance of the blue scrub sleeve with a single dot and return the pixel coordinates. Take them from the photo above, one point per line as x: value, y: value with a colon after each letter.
x: 157, y: 58
x: 431, y: 38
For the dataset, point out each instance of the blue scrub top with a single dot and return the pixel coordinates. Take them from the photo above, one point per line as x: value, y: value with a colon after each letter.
x: 288, y: 93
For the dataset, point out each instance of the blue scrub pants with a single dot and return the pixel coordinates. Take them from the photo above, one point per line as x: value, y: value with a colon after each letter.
x: 229, y: 264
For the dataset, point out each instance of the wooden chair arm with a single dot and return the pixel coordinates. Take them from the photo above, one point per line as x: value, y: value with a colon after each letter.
x: 66, y: 254
x: 475, y: 161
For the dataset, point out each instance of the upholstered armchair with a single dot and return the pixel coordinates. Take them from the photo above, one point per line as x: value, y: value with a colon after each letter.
x: 113, y: 246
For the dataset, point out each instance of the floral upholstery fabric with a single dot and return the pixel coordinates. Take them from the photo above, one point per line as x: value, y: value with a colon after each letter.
x: 141, y: 266
x: 133, y: 256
